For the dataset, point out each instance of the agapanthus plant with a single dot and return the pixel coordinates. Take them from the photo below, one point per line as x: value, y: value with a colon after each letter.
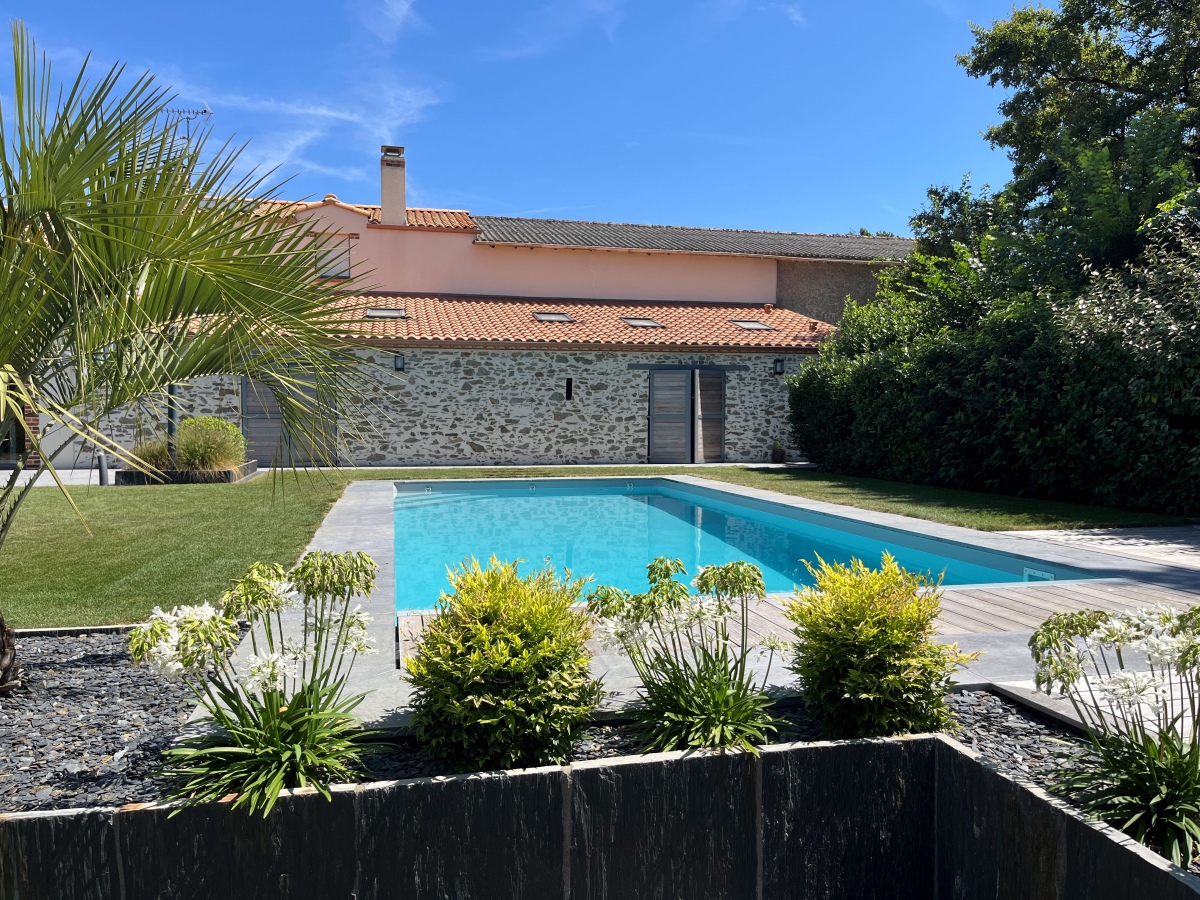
x: 698, y: 686
x: 1132, y: 679
x: 276, y: 717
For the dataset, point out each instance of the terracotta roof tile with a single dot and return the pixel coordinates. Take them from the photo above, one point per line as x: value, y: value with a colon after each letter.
x: 418, y: 217
x: 476, y: 320
x: 440, y: 218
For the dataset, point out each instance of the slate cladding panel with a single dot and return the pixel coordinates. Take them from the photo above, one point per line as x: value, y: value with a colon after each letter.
x: 664, y: 827
x: 902, y: 818
x: 848, y: 820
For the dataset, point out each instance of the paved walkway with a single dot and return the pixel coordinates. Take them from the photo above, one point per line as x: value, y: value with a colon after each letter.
x: 997, y: 619
x: 1169, y: 546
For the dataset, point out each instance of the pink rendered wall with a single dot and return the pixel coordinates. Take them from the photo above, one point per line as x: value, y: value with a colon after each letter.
x: 421, y: 261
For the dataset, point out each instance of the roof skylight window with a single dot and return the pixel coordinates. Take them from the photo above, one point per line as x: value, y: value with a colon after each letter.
x: 641, y: 323
x: 386, y: 312
x: 552, y: 316
x: 751, y: 324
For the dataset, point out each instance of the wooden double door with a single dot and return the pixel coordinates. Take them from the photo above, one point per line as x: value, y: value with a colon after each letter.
x: 687, y: 416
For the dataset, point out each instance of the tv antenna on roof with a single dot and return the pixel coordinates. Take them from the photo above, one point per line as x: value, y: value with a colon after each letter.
x: 187, y: 117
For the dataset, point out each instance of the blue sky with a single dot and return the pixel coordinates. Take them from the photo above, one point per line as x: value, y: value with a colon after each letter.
x: 794, y: 116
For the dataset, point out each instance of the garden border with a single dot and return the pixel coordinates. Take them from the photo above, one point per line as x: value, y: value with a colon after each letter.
x: 911, y: 817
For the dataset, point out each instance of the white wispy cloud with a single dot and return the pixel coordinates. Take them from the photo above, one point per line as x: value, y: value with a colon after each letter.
x: 792, y: 12
x: 388, y: 18
x: 540, y: 30
x: 290, y: 131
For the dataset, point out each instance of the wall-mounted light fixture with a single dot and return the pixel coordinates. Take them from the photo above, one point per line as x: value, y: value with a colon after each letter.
x: 778, y: 370
x: 398, y: 362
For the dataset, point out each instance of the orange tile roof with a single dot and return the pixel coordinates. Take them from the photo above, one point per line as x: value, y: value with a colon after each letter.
x: 472, y: 320
x: 418, y: 217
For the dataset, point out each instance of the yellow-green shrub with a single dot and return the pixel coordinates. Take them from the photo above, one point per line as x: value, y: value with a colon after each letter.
x: 500, y: 674
x: 864, y: 651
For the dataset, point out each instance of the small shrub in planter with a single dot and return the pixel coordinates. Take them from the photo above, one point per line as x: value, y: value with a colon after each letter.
x: 1142, y: 775
x: 697, y: 686
x: 282, y: 722
x: 500, y: 674
x: 867, y: 663
x: 209, y: 444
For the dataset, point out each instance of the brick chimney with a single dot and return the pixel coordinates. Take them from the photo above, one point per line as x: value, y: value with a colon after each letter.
x: 393, y: 210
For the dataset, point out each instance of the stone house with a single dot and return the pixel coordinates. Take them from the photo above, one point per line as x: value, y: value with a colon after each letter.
x: 517, y: 340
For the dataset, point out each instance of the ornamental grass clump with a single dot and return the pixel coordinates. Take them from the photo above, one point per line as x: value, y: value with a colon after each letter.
x: 209, y: 444
x: 501, y: 674
x: 698, y: 688
x: 867, y: 663
x: 154, y: 452
x: 278, y: 720
x: 1132, y: 679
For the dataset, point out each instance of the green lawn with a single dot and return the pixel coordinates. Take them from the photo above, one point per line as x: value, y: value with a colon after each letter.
x: 151, y: 546
x: 167, y: 545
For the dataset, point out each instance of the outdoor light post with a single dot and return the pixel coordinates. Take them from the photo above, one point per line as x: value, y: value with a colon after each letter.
x: 172, y: 422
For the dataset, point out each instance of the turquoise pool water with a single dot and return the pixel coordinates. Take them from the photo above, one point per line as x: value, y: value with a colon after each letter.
x: 611, y: 528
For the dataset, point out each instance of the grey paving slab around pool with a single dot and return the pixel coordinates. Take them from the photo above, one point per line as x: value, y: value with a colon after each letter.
x: 994, y: 618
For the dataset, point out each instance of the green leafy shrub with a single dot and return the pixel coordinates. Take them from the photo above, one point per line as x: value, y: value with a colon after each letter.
x: 500, y: 674
x: 206, y: 444
x: 154, y: 453
x: 697, y: 686
x: 280, y: 721
x: 864, y: 654
x: 952, y: 379
x: 1142, y: 774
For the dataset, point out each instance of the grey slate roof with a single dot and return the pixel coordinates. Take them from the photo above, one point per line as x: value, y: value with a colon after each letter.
x: 785, y: 244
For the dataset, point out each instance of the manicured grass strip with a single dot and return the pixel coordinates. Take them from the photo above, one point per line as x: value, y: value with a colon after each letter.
x: 986, y: 512
x: 149, y: 546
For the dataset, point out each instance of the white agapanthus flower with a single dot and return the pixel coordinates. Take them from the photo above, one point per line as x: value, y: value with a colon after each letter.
x: 1162, y: 649
x: 267, y: 672
x: 1130, y: 690
x: 357, y: 640
x: 164, y: 659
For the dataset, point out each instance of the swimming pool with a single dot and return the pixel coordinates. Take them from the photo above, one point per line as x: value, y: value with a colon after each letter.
x: 610, y: 528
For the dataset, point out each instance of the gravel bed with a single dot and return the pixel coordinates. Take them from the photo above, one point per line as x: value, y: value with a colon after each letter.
x: 86, y: 728
x: 1014, y: 739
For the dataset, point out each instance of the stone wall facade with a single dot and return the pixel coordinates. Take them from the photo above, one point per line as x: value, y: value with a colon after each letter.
x: 503, y: 407
x: 819, y: 289
x: 509, y: 407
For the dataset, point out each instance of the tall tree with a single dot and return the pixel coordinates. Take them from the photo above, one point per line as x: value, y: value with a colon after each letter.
x: 1102, y: 121
x: 132, y: 259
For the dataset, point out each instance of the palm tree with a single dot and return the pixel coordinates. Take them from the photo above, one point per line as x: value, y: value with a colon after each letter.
x: 132, y: 260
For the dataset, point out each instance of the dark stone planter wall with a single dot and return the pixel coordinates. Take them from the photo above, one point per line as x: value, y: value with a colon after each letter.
x: 186, y: 476
x: 905, y: 818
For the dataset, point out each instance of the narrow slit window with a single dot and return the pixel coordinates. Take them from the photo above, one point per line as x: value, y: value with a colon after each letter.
x: 570, y: 388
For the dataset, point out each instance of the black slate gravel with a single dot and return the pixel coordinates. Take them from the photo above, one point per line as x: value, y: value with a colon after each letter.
x: 88, y: 729
x: 1014, y: 739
